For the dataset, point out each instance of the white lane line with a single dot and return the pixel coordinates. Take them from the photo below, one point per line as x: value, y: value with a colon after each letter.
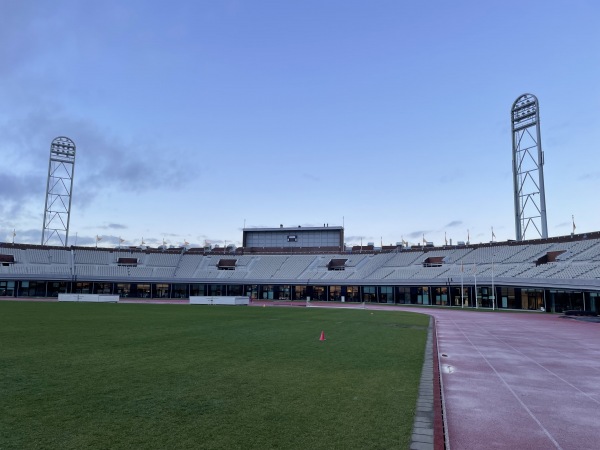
x: 540, y: 365
x: 546, y: 432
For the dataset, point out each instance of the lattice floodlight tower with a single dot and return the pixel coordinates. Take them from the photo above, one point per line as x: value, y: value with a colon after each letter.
x: 59, y: 189
x: 528, y: 168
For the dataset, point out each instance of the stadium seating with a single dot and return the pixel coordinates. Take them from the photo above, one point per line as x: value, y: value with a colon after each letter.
x: 567, y: 260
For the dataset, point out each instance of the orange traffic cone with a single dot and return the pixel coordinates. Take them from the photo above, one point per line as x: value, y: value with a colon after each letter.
x: 322, y: 338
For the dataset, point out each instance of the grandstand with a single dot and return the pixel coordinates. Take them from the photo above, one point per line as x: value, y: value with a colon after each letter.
x: 554, y: 274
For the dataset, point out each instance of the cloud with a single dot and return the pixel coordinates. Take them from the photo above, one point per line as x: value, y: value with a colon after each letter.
x: 103, y: 162
x: 590, y: 176
x: 16, y: 190
x: 29, y: 236
x: 249, y: 227
x: 418, y: 234
x: 356, y: 238
x: 83, y: 241
x: 454, y: 223
x: 113, y: 226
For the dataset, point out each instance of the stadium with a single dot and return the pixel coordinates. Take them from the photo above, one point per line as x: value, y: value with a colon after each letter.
x: 299, y: 225
x: 554, y: 274
x: 545, y: 273
x: 185, y: 366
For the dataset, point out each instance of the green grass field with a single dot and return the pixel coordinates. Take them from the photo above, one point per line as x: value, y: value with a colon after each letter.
x: 112, y: 376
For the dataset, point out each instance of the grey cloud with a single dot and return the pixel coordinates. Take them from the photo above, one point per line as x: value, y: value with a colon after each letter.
x: 102, y: 162
x: 30, y: 236
x: 110, y: 162
x: 418, y: 234
x: 108, y: 226
x: 590, y: 176
x: 454, y: 223
x: 107, y: 240
x: 82, y: 240
x: 115, y: 226
x: 17, y: 190
x: 249, y: 227
x: 17, y: 187
x: 355, y: 238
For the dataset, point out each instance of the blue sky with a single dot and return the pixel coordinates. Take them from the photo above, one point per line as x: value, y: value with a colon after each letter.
x: 193, y: 118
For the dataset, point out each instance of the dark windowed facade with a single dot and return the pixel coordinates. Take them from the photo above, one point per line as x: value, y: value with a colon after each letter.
x: 501, y: 297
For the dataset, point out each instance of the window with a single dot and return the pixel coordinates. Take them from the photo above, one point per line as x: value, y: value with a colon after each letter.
x: 216, y: 290
x: 161, y: 291
x: 197, y: 290
x: 123, y: 289
x: 102, y: 288
x: 352, y: 294
x: 337, y: 264
x: 335, y: 293
x: 299, y: 292
x: 369, y: 294
x: 7, y: 288
x: 84, y: 287
x: 180, y: 290
x: 227, y: 264
x: 140, y: 290
x: 235, y: 290
x: 386, y: 294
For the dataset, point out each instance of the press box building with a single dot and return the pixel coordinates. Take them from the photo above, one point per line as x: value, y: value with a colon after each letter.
x: 298, y: 238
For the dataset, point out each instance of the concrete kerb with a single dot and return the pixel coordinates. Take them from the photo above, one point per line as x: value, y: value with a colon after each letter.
x: 440, y: 386
x: 423, y: 427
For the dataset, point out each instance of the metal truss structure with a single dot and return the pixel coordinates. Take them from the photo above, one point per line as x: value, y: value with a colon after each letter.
x: 59, y: 189
x: 528, y: 169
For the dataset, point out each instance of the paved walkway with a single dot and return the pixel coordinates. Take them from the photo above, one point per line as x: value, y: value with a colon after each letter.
x: 519, y: 380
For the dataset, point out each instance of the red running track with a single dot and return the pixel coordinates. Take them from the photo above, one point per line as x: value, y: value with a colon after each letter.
x: 519, y: 380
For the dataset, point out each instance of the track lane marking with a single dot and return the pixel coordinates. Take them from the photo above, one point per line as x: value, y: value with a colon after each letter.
x: 537, y: 363
x: 523, y: 405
